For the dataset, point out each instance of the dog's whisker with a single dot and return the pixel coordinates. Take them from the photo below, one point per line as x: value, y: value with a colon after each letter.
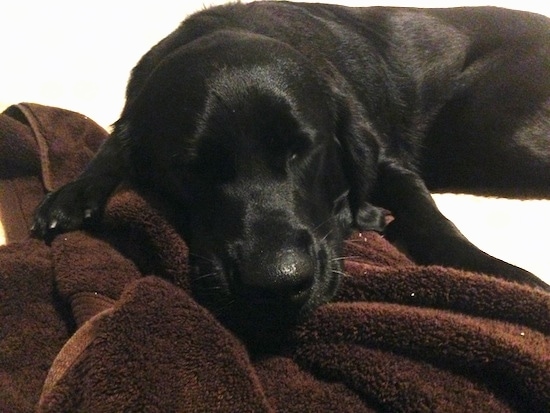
x: 220, y: 308
x: 326, y: 235
x: 342, y: 273
x: 202, y: 257
x: 338, y: 259
x: 322, y: 223
x: 348, y: 257
x: 204, y: 276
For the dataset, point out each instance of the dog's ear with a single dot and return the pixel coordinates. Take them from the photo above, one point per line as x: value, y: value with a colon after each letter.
x: 360, y: 154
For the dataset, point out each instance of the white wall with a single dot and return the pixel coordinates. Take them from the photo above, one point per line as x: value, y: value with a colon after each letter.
x: 78, y: 55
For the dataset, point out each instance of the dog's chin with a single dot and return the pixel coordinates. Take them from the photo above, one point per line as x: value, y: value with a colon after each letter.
x: 258, y: 323
x: 265, y: 328
x: 262, y: 325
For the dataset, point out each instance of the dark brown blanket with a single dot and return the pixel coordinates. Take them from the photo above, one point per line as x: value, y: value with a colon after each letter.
x: 105, y: 322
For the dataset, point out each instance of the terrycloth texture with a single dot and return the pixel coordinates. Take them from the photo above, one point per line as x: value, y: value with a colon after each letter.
x: 105, y: 322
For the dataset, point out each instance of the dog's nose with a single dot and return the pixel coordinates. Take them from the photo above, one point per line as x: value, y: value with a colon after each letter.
x: 292, y: 271
x: 285, y: 278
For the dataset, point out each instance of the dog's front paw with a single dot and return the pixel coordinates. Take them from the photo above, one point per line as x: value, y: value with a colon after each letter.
x: 76, y: 205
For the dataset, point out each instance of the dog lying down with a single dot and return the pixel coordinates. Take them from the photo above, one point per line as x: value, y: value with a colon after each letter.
x: 273, y: 129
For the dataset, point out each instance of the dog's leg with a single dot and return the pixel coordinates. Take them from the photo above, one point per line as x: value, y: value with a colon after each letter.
x: 428, y: 236
x: 80, y: 203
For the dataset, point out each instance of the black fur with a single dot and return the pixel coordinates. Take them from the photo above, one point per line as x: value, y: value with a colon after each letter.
x: 272, y: 129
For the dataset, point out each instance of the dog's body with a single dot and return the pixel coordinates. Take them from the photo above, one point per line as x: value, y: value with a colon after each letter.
x: 273, y: 129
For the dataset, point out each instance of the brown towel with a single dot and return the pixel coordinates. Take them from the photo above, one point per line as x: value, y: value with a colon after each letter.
x: 105, y: 322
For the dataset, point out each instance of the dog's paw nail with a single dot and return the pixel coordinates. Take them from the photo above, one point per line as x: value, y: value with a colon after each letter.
x: 53, y: 224
x: 87, y: 214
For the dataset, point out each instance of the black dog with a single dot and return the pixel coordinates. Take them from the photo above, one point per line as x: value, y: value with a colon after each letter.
x: 274, y: 128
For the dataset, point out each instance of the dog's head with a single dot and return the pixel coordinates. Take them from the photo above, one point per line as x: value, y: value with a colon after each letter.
x: 245, y: 138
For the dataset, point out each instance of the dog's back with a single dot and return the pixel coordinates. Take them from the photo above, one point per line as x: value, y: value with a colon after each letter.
x: 425, y: 77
